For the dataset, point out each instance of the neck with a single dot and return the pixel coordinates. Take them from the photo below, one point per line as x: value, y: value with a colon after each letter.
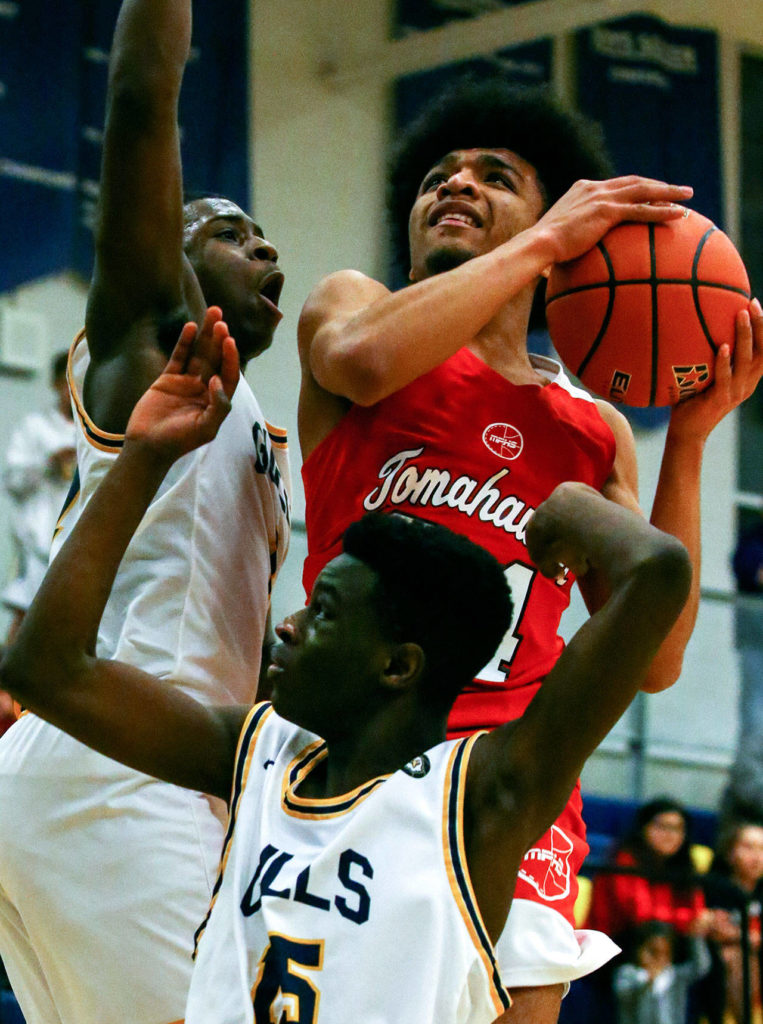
x: 502, y: 343
x: 380, y: 745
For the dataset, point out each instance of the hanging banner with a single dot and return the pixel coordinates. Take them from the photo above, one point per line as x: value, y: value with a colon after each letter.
x: 38, y: 137
x: 418, y: 15
x: 53, y: 74
x: 654, y: 88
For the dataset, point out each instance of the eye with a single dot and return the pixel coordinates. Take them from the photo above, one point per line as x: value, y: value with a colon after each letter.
x: 321, y: 609
x: 229, y: 234
x: 432, y: 181
x: 500, y: 178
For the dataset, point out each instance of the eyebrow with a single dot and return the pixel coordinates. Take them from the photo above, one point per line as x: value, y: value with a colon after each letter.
x: 485, y: 160
x: 238, y: 218
x: 491, y: 160
x: 325, y: 587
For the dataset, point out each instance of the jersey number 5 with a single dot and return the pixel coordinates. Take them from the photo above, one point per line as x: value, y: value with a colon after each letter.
x: 281, y: 993
x: 520, y: 578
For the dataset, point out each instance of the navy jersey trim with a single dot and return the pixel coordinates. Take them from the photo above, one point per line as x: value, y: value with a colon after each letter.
x: 246, y: 744
x: 325, y: 807
x: 460, y: 870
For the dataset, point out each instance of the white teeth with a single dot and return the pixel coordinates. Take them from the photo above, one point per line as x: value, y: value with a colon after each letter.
x: 463, y: 217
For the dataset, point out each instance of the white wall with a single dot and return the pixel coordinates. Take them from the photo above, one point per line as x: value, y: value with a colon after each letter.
x: 319, y: 104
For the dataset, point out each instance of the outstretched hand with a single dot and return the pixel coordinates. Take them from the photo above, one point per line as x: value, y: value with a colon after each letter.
x: 585, y: 213
x: 185, y: 406
x: 736, y: 377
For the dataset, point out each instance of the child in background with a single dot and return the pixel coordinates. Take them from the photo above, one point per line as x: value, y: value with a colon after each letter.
x: 652, y: 988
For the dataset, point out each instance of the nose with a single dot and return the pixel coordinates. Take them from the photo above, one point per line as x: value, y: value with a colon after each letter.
x: 286, y: 631
x: 459, y: 183
x: 261, y: 249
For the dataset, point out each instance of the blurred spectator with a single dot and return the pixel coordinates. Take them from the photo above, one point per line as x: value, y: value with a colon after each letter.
x: 652, y: 987
x: 39, y: 465
x: 744, y: 796
x: 657, y: 844
x: 734, y: 891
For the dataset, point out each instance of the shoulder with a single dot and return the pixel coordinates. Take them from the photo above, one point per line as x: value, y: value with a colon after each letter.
x: 344, y: 284
x: 341, y: 293
x: 622, y: 486
x: 616, y: 421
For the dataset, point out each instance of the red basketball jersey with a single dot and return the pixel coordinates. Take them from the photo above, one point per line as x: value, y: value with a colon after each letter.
x: 464, y: 447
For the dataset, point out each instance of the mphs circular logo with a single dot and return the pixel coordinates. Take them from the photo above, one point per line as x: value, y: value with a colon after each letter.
x: 503, y: 440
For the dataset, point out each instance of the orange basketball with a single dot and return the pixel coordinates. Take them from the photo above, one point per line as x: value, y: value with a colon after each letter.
x: 640, y: 318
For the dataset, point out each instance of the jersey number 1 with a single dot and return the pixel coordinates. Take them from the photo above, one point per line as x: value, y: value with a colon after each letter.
x: 520, y: 578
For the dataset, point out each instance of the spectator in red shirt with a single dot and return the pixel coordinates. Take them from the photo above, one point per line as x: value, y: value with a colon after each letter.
x: 658, y: 844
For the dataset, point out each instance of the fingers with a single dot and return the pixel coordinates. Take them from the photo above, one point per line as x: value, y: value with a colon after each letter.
x: 182, y: 350
x: 218, y: 407
x: 206, y: 349
x: 636, y: 189
x: 652, y: 201
x: 748, y: 351
x: 755, y: 316
x: 229, y: 365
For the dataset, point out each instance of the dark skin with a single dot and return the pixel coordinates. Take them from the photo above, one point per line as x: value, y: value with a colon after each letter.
x: 334, y: 671
x: 159, y: 263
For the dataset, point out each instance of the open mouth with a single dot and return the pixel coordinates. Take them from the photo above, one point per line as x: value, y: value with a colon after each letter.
x: 454, y: 213
x: 270, y: 289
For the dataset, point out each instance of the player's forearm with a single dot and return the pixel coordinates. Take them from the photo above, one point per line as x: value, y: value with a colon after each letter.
x: 404, y: 334
x: 139, y: 231
x: 596, y: 679
x: 647, y: 576
x: 676, y: 510
x: 59, y: 632
x: 152, y: 40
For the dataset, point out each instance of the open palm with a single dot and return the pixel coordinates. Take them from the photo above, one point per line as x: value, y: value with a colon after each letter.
x: 182, y: 410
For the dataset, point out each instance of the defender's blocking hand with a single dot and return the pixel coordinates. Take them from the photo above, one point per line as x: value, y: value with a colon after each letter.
x: 185, y: 406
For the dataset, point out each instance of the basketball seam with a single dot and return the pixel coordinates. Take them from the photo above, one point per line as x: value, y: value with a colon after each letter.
x: 690, y: 282
x: 695, y: 288
x: 608, y: 313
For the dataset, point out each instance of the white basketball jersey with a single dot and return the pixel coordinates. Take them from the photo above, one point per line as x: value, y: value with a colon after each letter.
x: 356, y: 908
x: 191, y: 598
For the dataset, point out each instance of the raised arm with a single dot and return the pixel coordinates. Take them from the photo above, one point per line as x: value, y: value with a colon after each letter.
x: 521, y: 774
x: 140, y: 274
x: 361, y: 342
x: 676, y: 507
x: 52, y: 668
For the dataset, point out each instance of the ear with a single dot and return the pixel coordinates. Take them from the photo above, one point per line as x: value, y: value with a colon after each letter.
x: 404, y: 667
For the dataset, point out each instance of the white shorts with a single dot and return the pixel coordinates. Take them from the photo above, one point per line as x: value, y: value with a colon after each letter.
x: 105, y: 874
x: 538, y: 946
